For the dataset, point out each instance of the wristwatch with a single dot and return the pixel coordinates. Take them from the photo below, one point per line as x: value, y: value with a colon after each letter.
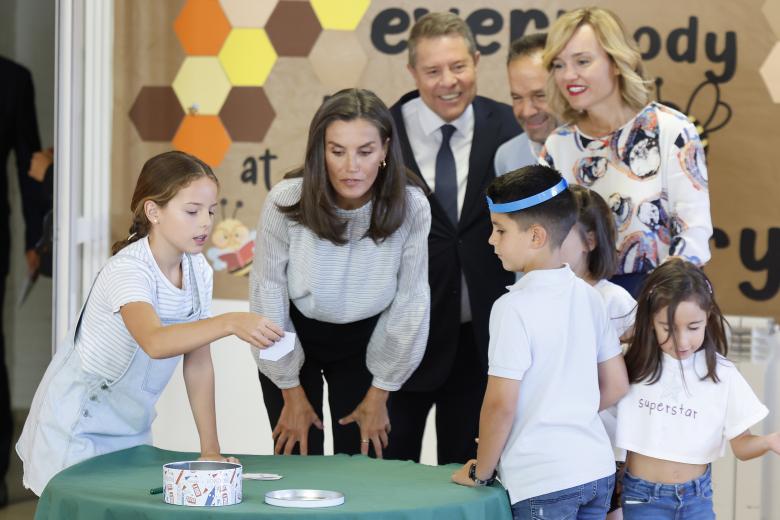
x: 478, y: 481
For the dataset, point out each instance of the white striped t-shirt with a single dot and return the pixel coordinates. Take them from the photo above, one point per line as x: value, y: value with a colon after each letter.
x: 132, y: 275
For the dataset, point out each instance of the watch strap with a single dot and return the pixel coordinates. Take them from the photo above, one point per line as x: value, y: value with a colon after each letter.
x: 479, y: 481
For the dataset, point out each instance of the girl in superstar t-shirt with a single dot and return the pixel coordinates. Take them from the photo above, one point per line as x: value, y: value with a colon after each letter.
x: 686, y: 399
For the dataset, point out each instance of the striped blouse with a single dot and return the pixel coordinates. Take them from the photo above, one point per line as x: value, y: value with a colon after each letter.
x: 345, y: 283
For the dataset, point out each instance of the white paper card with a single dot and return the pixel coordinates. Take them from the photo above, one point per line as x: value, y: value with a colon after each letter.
x: 279, y: 349
x: 262, y: 476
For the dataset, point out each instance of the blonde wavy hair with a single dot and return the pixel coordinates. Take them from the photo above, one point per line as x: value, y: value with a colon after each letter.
x: 619, y: 46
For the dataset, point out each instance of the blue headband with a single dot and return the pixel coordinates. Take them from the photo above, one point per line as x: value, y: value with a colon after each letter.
x: 533, y: 200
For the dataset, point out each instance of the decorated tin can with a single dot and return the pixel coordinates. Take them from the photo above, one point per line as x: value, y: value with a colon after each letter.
x: 202, y: 483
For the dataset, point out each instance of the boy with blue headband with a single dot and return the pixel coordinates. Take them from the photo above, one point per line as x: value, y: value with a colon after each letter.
x: 554, y: 362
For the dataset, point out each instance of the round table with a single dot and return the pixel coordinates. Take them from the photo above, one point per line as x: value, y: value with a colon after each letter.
x: 117, y: 485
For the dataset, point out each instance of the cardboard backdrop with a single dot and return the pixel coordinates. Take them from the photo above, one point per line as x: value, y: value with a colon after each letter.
x: 237, y: 82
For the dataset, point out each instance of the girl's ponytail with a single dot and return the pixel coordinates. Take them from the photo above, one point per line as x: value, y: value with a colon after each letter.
x: 138, y: 229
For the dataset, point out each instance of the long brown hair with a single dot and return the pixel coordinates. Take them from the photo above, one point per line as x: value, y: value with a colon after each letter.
x: 594, y: 216
x: 675, y: 281
x: 317, y: 207
x: 161, y: 178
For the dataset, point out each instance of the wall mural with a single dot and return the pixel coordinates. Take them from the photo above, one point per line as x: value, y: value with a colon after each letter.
x: 236, y: 82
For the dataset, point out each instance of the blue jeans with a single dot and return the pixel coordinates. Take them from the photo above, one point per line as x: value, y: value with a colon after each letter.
x: 585, y: 502
x: 690, y: 500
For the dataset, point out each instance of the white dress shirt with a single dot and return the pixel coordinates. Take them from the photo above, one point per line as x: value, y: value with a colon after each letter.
x: 423, y: 126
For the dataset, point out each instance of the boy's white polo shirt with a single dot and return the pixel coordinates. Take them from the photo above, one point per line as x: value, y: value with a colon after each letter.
x: 550, y: 331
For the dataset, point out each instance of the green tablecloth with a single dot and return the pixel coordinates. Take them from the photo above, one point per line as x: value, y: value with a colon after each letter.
x: 116, y: 486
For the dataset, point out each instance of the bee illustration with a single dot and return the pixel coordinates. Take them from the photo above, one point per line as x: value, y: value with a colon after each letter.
x: 234, y: 244
x: 705, y: 101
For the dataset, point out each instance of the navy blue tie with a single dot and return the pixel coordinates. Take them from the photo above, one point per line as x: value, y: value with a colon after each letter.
x: 446, y: 181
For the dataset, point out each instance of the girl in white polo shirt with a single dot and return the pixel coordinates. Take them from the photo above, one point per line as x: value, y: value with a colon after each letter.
x: 686, y: 399
x: 149, y: 307
x: 590, y: 251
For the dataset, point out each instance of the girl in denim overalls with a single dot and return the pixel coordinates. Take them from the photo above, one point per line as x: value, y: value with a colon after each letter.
x: 685, y: 401
x: 148, y: 307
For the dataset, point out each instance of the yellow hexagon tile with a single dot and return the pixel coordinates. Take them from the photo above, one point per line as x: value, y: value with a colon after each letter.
x: 338, y: 59
x: 771, y: 10
x: 201, y: 85
x: 770, y: 72
x: 340, y: 15
x: 248, y: 13
x: 247, y: 57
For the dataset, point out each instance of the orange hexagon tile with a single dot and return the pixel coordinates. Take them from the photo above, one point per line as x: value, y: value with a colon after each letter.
x: 201, y: 85
x: 248, y: 13
x: 203, y: 137
x: 247, y: 57
x: 247, y: 114
x: 293, y: 28
x: 338, y: 59
x: 770, y: 72
x: 340, y: 15
x: 201, y: 27
x: 156, y: 113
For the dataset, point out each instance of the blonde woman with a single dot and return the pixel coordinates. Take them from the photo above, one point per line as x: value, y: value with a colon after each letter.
x: 645, y: 159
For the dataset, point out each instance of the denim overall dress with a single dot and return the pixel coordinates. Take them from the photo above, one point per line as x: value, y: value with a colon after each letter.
x: 76, y: 415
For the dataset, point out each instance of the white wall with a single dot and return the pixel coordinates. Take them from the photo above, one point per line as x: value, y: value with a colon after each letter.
x: 242, y: 423
x: 27, y: 37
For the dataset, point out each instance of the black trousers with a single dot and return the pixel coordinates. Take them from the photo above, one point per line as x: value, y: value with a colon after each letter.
x: 6, y: 420
x: 458, y: 402
x: 336, y: 352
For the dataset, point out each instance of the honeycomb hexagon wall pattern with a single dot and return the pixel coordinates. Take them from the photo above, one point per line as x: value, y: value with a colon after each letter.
x: 203, y: 136
x: 201, y: 85
x: 248, y: 13
x: 293, y: 28
x: 338, y: 59
x: 201, y: 27
x: 247, y: 114
x: 231, y: 47
x: 156, y: 113
x: 340, y: 15
x: 770, y: 68
x: 770, y: 72
x: 247, y: 57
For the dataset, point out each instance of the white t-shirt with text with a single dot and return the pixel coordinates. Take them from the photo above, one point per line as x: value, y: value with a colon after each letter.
x: 683, y: 418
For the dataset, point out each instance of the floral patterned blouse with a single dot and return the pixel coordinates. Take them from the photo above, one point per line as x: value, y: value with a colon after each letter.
x: 652, y: 173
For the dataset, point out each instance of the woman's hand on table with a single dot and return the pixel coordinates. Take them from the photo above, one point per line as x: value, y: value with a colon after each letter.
x: 462, y: 475
x: 372, y: 419
x: 217, y: 457
x: 294, y: 422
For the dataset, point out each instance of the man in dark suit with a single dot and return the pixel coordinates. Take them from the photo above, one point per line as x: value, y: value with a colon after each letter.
x: 449, y: 137
x: 18, y: 132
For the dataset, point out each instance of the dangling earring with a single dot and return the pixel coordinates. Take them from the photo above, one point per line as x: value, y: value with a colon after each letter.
x: 383, y: 164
